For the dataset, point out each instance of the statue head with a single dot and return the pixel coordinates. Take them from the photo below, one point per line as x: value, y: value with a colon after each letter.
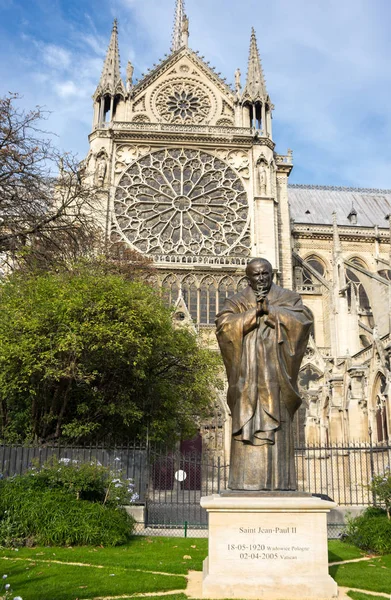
x: 259, y: 273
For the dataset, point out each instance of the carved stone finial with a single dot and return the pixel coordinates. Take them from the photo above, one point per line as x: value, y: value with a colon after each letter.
x: 337, y: 248
x: 238, y: 85
x: 185, y: 31
x: 129, y: 76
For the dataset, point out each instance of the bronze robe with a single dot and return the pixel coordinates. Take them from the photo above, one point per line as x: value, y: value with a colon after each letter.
x: 262, y: 359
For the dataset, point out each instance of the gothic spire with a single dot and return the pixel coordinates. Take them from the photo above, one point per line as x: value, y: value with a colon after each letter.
x: 255, y: 88
x: 110, y: 80
x: 180, y: 20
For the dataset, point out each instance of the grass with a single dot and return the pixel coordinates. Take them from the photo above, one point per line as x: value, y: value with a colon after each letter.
x: 143, y: 566
x: 162, y: 554
x: 151, y: 565
x: 33, y: 581
x: 360, y: 596
x: 339, y: 551
x: 373, y: 575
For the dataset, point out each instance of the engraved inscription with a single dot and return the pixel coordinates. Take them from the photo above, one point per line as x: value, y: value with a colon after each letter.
x: 261, y: 544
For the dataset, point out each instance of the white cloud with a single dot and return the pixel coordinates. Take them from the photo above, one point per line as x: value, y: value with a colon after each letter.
x: 67, y: 89
x: 95, y: 43
x: 55, y: 56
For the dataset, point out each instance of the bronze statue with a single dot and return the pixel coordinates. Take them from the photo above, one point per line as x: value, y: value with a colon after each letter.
x: 262, y: 333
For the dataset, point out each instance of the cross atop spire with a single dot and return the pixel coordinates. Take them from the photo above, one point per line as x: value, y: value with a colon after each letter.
x: 110, y: 80
x: 181, y: 24
x: 255, y: 88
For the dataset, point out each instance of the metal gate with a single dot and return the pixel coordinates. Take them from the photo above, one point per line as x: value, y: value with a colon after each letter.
x: 177, y: 482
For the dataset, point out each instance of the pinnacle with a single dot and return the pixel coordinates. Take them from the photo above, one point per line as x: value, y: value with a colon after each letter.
x: 255, y: 88
x: 176, y: 38
x: 110, y: 81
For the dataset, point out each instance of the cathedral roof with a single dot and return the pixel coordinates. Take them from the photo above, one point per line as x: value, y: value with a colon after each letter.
x: 168, y: 62
x: 315, y: 204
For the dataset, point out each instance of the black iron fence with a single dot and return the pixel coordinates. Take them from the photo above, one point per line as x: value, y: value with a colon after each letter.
x: 130, y: 459
x: 170, y: 484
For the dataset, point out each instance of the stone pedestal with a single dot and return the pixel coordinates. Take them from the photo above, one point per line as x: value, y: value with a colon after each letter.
x: 270, y: 546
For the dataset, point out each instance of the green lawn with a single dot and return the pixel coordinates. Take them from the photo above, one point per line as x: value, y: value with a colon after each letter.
x: 361, y: 596
x: 372, y: 575
x: 340, y: 551
x: 150, y: 565
x: 164, y: 554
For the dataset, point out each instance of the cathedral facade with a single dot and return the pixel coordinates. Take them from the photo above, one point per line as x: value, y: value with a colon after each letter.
x: 189, y: 176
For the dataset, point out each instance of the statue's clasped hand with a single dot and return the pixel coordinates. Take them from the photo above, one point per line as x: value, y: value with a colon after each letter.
x: 262, y: 306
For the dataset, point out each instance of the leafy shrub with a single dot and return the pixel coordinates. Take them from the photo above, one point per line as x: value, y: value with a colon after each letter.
x: 65, y: 503
x: 381, y: 486
x: 371, y: 531
x: 53, y: 517
x: 85, y: 481
x: 375, y: 511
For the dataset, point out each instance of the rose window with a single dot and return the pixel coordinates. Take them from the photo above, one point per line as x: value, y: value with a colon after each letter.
x: 183, y: 201
x: 183, y: 103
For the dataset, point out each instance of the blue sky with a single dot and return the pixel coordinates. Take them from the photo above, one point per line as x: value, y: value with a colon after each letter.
x: 326, y: 63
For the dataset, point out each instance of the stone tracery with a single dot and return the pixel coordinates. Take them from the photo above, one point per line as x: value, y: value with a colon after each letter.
x: 183, y: 201
x: 183, y: 102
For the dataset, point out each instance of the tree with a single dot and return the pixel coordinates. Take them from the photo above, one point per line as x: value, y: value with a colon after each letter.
x: 45, y: 202
x: 84, y: 354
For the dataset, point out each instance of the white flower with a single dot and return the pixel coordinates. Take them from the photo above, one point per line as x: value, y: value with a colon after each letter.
x: 134, y: 497
x: 5, y: 576
x: 118, y: 485
x: 65, y: 461
x: 7, y: 586
x: 115, y: 481
x: 18, y: 598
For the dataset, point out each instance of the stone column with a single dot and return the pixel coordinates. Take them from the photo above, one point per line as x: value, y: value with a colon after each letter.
x: 336, y: 413
x: 357, y: 406
x: 285, y: 251
x: 264, y: 124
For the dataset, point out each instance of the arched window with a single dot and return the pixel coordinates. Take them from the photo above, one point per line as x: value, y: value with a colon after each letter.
x: 226, y: 290
x: 208, y: 301
x: 381, y: 409
x: 190, y: 296
x: 317, y: 265
x: 170, y: 289
x: 299, y: 426
x: 359, y: 290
